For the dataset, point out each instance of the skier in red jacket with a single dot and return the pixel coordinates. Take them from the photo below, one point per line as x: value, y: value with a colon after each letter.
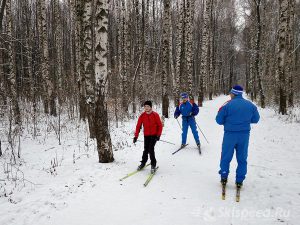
x: 152, y: 131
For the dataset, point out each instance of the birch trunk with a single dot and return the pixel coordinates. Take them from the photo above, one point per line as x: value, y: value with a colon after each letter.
x: 166, y: 57
x: 12, y: 77
x: 88, y: 65
x: 104, y: 144
x: 204, y: 52
x: 282, y: 55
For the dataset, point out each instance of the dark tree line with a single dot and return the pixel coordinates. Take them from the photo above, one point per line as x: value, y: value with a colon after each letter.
x: 101, y: 59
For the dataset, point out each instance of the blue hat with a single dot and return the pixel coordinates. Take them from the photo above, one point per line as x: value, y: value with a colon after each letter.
x: 184, y: 95
x: 237, y: 90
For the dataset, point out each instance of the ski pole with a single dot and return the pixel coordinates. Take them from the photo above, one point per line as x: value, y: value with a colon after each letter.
x: 161, y: 141
x: 167, y: 142
x: 201, y: 131
x: 179, y: 124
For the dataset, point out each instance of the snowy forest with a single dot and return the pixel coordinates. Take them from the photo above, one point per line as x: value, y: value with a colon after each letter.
x: 74, y: 75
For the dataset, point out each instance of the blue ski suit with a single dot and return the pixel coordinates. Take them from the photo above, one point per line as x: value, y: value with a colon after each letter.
x: 188, y: 111
x: 236, y: 115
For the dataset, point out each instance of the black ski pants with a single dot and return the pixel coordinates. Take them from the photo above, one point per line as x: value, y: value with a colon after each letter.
x: 149, y: 143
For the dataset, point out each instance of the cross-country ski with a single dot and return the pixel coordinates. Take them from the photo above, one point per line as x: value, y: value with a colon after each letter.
x: 179, y: 149
x: 150, y: 176
x: 132, y: 173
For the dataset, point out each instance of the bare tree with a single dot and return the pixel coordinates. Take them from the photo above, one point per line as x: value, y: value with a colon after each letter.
x: 166, y: 59
x: 12, y: 66
x: 290, y: 69
x: 282, y: 55
x: 179, y: 50
x: 189, y: 44
x: 257, y: 63
x: 48, y: 85
x: 204, y: 64
x: 104, y: 144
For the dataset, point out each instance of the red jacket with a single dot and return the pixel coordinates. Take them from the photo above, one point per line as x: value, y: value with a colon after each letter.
x: 152, y: 124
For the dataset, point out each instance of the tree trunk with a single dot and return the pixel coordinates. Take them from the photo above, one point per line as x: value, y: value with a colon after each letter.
x: 179, y: 51
x: 165, y: 56
x: 2, y: 89
x: 48, y: 85
x: 204, y: 65
x: 104, y: 144
x: 2, y: 7
x: 282, y: 55
x: 12, y: 76
x: 258, y: 53
x: 88, y: 65
x: 79, y: 55
x: 189, y: 45
x: 291, y: 56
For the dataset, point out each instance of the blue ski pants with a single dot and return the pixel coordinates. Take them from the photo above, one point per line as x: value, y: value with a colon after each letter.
x: 238, y: 141
x: 186, y: 122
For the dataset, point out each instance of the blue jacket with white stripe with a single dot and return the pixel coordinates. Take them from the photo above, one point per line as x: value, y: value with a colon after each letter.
x: 186, y: 109
x: 237, y: 114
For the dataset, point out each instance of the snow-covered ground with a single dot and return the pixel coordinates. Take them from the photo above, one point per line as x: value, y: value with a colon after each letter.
x: 185, y: 190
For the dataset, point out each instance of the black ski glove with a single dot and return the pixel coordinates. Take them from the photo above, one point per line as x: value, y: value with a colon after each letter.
x: 192, y: 114
x: 157, y: 138
x: 134, y: 140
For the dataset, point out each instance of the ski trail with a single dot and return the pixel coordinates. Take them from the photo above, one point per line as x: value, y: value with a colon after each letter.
x: 186, y: 189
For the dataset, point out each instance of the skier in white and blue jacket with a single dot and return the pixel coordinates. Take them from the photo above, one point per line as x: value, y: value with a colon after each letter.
x: 188, y: 109
x: 236, y: 115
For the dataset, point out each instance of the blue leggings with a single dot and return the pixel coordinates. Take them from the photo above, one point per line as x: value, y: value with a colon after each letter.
x: 186, y: 122
x: 240, y: 142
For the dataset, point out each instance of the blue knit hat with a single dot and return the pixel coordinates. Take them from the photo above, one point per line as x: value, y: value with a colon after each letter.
x: 237, y: 90
x: 184, y: 95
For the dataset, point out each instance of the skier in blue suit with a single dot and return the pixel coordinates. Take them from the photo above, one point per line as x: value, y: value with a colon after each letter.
x: 188, y: 109
x: 236, y: 115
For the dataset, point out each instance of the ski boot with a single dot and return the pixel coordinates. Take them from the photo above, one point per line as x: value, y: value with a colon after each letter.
x: 238, y: 191
x: 223, y: 181
x: 140, y: 167
x: 153, y: 169
x: 183, y: 145
x: 199, y: 148
x: 239, y: 184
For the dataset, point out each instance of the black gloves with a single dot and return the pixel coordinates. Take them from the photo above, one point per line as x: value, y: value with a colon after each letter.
x: 134, y: 140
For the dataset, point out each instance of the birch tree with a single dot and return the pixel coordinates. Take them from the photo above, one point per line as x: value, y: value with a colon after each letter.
x: 12, y: 67
x: 257, y: 63
x: 78, y: 10
x: 2, y: 89
x: 48, y: 85
x: 87, y: 57
x: 282, y: 55
x: 290, y: 69
x: 204, y: 52
x: 166, y: 58
x: 104, y: 144
x: 189, y: 44
x: 179, y: 50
